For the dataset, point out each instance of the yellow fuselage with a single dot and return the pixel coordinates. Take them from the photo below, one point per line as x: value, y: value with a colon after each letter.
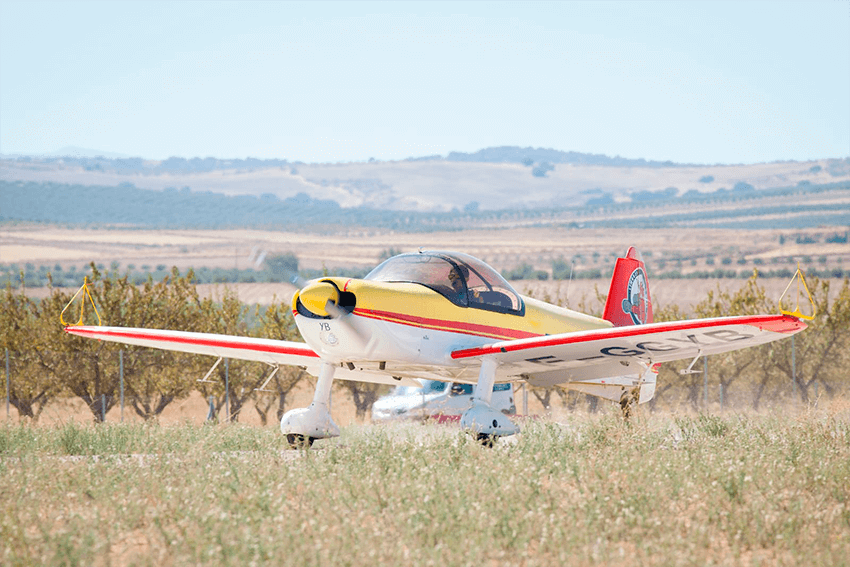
x: 415, y: 305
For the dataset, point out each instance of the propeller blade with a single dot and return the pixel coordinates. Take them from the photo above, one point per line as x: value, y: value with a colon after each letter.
x: 335, y: 310
x: 344, y: 317
x: 297, y: 281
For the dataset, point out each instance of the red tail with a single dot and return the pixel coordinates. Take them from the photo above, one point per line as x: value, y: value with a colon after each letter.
x: 628, y: 299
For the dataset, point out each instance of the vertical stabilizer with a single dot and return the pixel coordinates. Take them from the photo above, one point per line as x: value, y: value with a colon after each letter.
x: 629, y: 302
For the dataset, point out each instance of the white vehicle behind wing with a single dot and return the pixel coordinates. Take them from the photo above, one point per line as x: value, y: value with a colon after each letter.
x: 441, y: 401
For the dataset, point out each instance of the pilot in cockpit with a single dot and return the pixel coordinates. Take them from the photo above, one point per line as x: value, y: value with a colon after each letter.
x: 456, y: 280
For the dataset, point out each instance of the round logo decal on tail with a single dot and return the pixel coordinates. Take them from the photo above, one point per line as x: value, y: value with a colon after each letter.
x: 636, y: 303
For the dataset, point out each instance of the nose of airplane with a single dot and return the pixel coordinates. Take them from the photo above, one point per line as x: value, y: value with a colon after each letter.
x: 315, y: 297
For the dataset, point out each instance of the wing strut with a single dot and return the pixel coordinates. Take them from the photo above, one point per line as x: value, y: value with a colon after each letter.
x: 204, y: 379
x: 690, y: 368
x: 269, y: 379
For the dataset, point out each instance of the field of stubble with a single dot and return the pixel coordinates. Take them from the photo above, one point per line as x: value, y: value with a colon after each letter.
x: 664, y: 490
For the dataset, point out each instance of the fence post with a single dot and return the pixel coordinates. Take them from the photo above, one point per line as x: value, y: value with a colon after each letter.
x: 121, y: 371
x: 794, y: 367
x: 705, y: 381
x: 103, y: 408
x: 211, y: 413
x: 7, y: 384
x: 525, y: 399
x: 227, y: 387
x: 721, y: 396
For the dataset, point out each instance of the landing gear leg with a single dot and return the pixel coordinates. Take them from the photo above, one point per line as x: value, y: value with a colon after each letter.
x: 305, y: 425
x: 481, y: 420
x: 629, y: 402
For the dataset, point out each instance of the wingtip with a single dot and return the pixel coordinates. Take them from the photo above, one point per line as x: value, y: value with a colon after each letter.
x: 79, y: 329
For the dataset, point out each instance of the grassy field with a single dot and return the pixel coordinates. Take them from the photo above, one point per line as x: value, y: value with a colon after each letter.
x: 665, y: 490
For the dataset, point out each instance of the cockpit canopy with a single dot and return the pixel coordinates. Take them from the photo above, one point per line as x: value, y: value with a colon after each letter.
x: 462, y: 279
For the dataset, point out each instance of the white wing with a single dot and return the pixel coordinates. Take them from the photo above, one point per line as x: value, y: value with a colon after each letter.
x: 618, y: 351
x: 269, y: 351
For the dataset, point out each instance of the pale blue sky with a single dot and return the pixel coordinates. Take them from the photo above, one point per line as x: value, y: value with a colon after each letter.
x: 704, y: 82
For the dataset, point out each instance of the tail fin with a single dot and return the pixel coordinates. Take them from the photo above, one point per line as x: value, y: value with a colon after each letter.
x: 628, y: 299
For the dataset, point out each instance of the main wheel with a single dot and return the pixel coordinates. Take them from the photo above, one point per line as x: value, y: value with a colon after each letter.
x: 297, y: 441
x: 486, y: 440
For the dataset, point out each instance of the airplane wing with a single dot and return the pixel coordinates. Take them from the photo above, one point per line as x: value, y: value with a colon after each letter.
x: 617, y: 351
x: 270, y: 351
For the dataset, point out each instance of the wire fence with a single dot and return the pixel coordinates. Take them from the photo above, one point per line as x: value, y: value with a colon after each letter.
x: 146, y: 384
x: 123, y: 385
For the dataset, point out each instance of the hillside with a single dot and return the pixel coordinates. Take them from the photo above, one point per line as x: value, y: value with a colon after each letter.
x: 801, y: 206
x: 488, y: 180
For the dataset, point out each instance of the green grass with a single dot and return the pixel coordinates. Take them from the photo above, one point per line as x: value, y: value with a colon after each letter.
x: 703, y: 490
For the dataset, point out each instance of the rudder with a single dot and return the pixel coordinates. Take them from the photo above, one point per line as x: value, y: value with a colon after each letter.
x: 629, y: 302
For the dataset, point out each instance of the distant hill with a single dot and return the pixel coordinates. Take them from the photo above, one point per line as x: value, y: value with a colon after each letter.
x: 74, y: 151
x: 107, y: 161
x: 128, y: 206
x: 527, y: 156
x: 503, y: 178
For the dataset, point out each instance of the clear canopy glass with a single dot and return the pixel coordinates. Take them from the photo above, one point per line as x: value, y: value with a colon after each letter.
x: 462, y: 279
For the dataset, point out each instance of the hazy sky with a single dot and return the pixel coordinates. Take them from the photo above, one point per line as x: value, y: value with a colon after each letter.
x: 705, y: 82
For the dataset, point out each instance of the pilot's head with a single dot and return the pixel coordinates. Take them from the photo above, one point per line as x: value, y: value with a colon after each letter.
x: 456, y: 277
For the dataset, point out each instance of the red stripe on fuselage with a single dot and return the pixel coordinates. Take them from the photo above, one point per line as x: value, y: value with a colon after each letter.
x: 773, y: 323
x: 445, y: 325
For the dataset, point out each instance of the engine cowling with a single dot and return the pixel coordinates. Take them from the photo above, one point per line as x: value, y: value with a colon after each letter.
x: 315, y: 298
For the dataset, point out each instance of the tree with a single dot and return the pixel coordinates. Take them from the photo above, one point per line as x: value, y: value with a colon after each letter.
x: 90, y: 369
x: 542, y: 169
x: 751, y: 299
x: 31, y: 387
x: 283, y: 266
x: 388, y: 253
x: 280, y: 386
x: 819, y: 352
x: 544, y: 396
x: 241, y: 378
x: 276, y: 322
x: 87, y: 369
x: 153, y: 378
x: 668, y: 375
x: 364, y: 395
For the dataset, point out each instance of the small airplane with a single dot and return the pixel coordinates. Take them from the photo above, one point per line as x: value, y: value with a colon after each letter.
x: 447, y: 316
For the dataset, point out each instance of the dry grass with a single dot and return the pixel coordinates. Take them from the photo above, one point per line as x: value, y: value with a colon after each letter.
x: 502, y: 247
x: 667, y: 490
